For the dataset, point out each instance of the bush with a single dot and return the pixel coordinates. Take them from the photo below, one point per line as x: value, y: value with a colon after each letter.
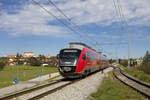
x: 2, y: 65
x: 34, y: 61
x: 145, y: 66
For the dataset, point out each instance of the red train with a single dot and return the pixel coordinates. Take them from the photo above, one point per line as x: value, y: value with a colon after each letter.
x: 79, y: 60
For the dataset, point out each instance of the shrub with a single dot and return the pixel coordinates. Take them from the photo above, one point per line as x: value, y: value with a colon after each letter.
x: 34, y: 61
x: 145, y: 66
x: 2, y: 65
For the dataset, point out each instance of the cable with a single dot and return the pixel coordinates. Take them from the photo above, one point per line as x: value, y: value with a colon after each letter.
x: 69, y: 19
x: 125, y: 20
x: 70, y: 28
x: 55, y: 17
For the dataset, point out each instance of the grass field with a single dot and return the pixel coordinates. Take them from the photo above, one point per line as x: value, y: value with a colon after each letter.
x: 135, y: 72
x: 23, y: 73
x: 114, y: 90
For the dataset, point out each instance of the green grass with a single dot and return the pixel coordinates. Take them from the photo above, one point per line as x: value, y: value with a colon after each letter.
x: 114, y: 90
x: 10, y: 72
x: 135, y: 72
x: 44, y: 82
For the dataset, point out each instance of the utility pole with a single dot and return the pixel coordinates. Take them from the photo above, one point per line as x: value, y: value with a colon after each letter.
x: 128, y: 48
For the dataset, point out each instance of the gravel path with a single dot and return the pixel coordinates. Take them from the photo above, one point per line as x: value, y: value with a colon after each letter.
x: 80, y: 90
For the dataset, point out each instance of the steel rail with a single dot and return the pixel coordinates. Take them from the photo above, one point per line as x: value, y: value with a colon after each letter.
x: 26, y: 91
x: 14, y: 95
x: 51, y: 91
x: 144, y: 91
x: 60, y: 87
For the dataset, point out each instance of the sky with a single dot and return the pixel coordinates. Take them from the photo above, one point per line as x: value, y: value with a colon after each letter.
x: 26, y: 27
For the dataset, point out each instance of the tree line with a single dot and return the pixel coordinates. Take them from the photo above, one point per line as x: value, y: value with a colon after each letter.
x: 33, y: 61
x: 145, y: 66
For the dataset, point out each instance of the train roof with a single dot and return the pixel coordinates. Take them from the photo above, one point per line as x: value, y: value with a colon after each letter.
x: 77, y: 45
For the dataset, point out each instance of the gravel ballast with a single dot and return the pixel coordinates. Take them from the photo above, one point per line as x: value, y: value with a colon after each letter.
x: 80, y: 90
x: 26, y: 84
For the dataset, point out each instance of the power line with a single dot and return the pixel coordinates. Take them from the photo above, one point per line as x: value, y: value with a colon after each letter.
x: 59, y: 10
x: 128, y: 31
x: 69, y: 19
x: 70, y: 28
x: 118, y: 13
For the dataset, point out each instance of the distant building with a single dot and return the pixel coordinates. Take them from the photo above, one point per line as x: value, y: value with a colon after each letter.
x: 139, y: 61
x: 48, y: 56
x: 28, y: 54
x: 11, y: 60
x: 11, y: 56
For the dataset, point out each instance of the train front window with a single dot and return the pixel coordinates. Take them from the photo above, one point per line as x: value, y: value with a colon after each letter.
x: 69, y: 57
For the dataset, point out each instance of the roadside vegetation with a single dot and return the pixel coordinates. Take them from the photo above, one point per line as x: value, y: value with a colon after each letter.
x: 142, y: 71
x: 23, y: 73
x: 135, y: 72
x: 2, y: 63
x: 111, y: 89
x: 145, y: 66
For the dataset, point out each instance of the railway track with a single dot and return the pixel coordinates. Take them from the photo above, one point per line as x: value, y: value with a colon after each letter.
x: 142, y: 87
x: 41, y: 95
x: 26, y: 91
x: 41, y: 91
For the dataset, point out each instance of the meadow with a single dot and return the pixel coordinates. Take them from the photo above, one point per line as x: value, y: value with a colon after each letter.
x: 112, y: 89
x: 22, y: 73
x: 135, y: 72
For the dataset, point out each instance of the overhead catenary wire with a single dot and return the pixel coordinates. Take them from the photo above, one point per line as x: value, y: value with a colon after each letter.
x: 69, y: 27
x: 126, y: 22
x: 128, y: 31
x: 49, y: 12
x: 118, y: 14
x: 69, y: 19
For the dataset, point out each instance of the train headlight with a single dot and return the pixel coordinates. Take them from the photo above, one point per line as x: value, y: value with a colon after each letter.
x: 67, y: 69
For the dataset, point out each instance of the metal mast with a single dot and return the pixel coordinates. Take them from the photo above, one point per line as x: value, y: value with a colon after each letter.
x: 128, y: 48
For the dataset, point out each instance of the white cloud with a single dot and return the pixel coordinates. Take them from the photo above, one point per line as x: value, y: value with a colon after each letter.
x: 33, y: 20
x: 30, y: 21
x: 102, y: 12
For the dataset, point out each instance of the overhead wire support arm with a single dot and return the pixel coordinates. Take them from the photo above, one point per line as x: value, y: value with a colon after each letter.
x: 122, y: 17
x: 128, y: 31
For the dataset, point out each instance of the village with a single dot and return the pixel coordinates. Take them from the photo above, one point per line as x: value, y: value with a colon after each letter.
x: 29, y: 58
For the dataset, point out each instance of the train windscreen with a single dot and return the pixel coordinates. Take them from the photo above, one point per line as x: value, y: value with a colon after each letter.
x: 69, y: 57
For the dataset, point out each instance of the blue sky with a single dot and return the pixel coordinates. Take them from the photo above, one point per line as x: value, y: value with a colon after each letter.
x: 24, y: 26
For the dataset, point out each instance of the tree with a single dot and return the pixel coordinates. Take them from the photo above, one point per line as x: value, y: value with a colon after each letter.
x: 53, y: 61
x: 41, y: 58
x: 145, y: 66
x: 3, y: 61
x: 18, y: 59
x: 111, y: 61
x: 34, y: 61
